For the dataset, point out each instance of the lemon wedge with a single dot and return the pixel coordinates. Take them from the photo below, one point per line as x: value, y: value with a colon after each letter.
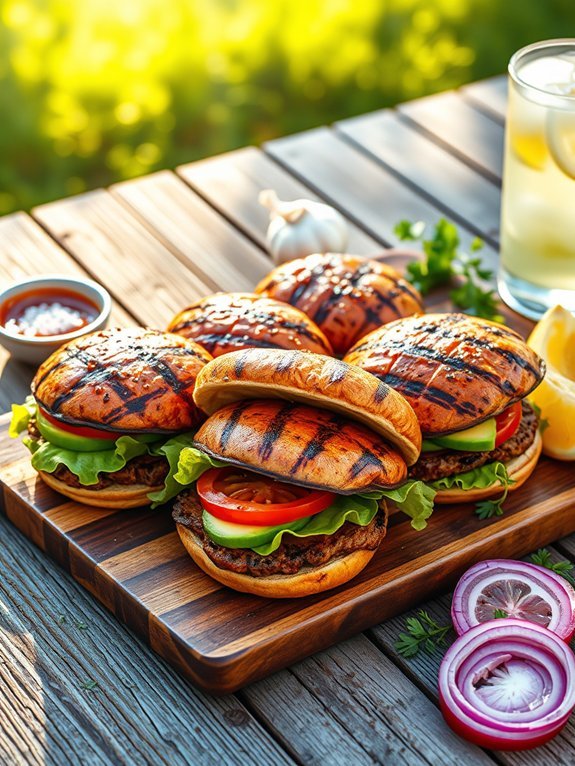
x: 553, y: 338
x: 530, y: 148
x: 561, y: 139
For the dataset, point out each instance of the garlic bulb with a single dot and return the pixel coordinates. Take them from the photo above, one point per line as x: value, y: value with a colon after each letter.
x: 302, y: 227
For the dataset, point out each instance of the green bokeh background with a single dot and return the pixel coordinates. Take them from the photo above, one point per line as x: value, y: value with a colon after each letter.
x: 96, y: 91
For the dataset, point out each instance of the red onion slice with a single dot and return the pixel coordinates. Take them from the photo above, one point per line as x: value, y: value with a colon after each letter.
x: 507, y: 684
x: 524, y: 591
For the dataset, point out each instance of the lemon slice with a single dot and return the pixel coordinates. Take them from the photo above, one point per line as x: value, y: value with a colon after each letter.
x: 554, y: 339
x: 530, y: 148
x: 560, y: 132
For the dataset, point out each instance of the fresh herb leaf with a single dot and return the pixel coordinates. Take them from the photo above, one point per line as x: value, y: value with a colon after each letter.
x: 89, y: 685
x: 477, y: 244
x: 61, y: 619
x: 542, y: 557
x: 421, y: 632
x: 444, y: 265
x: 543, y: 422
x: 408, y: 231
x: 499, y: 614
x: 487, y: 509
x: 81, y: 625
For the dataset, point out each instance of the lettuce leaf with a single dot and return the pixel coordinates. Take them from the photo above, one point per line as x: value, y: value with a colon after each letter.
x: 414, y: 498
x: 21, y: 414
x: 187, y: 464
x: 353, y: 508
x: 87, y: 465
x: 479, y: 478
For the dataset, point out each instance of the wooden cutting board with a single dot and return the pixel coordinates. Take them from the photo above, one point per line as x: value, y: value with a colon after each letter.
x: 134, y: 563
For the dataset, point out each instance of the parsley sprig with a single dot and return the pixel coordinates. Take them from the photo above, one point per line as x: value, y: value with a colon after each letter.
x: 542, y: 557
x: 499, y: 614
x: 422, y: 632
x: 445, y: 265
x: 487, y: 509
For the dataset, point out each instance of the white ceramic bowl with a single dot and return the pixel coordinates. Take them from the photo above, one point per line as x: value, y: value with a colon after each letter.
x: 35, y: 349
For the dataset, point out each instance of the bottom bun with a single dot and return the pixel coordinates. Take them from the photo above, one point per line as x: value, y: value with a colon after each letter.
x: 305, y: 583
x: 519, y: 469
x: 114, y: 496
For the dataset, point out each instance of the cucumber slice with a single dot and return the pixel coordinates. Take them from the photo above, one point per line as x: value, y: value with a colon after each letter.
x: 232, y: 535
x: 479, y: 438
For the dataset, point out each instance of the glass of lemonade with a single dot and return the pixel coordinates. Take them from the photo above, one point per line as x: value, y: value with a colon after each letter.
x: 538, y: 207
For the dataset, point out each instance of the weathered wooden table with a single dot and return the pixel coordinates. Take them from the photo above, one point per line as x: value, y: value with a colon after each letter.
x: 76, y: 687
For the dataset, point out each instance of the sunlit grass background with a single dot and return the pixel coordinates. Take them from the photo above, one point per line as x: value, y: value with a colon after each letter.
x: 95, y: 91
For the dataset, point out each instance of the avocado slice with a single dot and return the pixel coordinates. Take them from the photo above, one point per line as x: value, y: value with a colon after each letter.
x: 67, y: 440
x: 479, y: 438
x: 428, y: 445
x: 232, y: 535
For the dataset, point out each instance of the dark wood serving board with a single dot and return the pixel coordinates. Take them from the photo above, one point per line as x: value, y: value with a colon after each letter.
x: 134, y: 563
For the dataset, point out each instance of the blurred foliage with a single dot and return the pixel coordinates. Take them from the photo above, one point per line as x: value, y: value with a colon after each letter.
x: 94, y: 91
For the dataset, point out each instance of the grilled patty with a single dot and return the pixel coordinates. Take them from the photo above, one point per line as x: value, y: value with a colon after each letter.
x: 294, y: 553
x: 437, y: 465
x: 150, y: 470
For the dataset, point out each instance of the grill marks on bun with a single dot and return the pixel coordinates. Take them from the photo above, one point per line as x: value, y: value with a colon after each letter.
x: 301, y: 444
x: 346, y: 295
x: 133, y: 380
x: 455, y: 370
x: 312, y: 379
x: 233, y: 321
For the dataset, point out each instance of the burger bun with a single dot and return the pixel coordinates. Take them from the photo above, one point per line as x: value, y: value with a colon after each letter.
x: 519, y: 469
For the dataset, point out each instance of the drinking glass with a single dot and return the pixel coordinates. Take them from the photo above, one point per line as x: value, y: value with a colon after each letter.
x: 538, y: 206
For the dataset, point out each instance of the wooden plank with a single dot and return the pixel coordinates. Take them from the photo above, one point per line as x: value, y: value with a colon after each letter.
x: 232, y: 182
x: 423, y: 669
x: 123, y: 255
x: 489, y: 95
x: 454, y: 124
x: 356, y: 688
x: 372, y: 196
x: 223, y: 640
x: 462, y: 193
x: 27, y: 251
x: 207, y: 243
x: 55, y: 639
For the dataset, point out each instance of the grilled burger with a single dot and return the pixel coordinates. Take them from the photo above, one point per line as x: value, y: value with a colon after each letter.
x: 106, y: 412
x: 234, y: 321
x: 466, y: 379
x: 305, y: 449
x: 347, y: 296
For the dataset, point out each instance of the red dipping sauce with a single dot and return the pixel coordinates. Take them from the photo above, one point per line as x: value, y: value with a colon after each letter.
x: 47, y: 311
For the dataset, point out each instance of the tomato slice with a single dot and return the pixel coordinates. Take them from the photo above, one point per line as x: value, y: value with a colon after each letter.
x: 507, y: 423
x: 91, y: 433
x: 243, y: 497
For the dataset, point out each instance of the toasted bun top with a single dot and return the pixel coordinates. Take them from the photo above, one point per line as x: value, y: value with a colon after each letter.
x: 313, y: 379
x: 134, y: 380
x: 301, y: 445
x: 455, y: 370
x: 347, y: 296
x: 234, y: 321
